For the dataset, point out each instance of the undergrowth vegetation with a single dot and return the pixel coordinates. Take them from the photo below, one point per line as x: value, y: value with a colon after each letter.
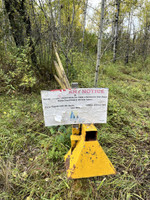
x: 16, y: 70
x: 32, y: 155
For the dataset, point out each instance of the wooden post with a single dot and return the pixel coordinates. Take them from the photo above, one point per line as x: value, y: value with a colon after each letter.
x: 62, y: 69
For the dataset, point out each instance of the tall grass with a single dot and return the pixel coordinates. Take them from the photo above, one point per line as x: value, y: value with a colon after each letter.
x: 31, y: 155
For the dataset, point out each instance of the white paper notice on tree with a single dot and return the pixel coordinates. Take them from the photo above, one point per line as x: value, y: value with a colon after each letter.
x: 75, y: 106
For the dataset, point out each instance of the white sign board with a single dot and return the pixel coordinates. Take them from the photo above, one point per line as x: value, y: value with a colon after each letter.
x: 75, y: 106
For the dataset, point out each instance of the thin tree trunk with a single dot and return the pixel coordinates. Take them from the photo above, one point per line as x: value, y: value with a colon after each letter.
x: 99, y: 44
x: 144, y: 52
x: 116, y: 30
x: 84, y: 23
x: 3, y: 27
x: 112, y: 33
x: 53, y: 24
x: 128, y: 41
x: 133, y: 44
x: 59, y: 20
x: 38, y: 31
x: 71, y: 27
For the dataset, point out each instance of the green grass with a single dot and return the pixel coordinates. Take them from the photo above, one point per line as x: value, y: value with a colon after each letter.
x: 31, y: 155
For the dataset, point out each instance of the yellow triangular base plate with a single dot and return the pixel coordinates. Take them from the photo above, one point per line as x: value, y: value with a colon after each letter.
x: 88, y: 160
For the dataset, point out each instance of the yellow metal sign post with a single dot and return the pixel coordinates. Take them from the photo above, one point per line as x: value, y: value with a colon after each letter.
x: 86, y: 157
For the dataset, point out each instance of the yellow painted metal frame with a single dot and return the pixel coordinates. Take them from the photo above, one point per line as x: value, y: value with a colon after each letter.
x: 86, y: 157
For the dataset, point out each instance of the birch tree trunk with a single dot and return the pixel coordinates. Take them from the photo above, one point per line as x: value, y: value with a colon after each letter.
x: 128, y: 41
x: 99, y: 44
x: 112, y: 32
x: 116, y: 30
x: 84, y: 23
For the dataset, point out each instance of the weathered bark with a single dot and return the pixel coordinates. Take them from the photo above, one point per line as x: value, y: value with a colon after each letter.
x: 99, y: 45
x: 84, y: 23
x: 116, y: 30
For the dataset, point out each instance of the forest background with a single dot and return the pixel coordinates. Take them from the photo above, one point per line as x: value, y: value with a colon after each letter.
x: 108, y: 47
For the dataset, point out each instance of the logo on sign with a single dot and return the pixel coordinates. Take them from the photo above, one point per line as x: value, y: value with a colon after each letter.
x: 74, y: 116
